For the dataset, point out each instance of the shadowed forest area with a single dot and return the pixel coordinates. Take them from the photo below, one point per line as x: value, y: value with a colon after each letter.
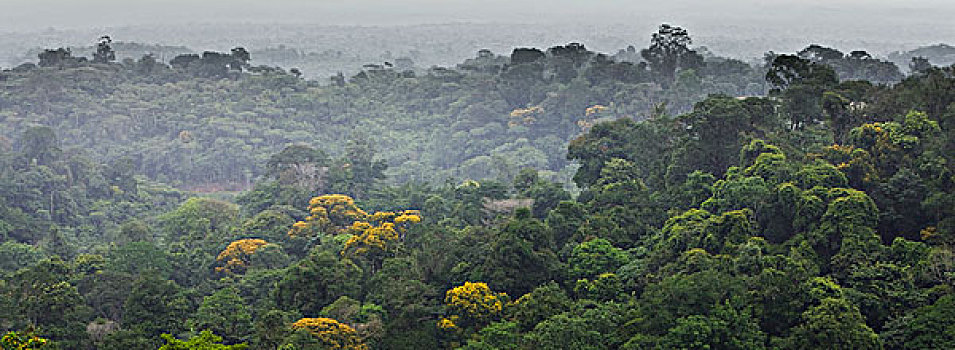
x: 652, y: 197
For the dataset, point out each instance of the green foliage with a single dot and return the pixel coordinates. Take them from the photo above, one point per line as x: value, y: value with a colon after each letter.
x: 14, y: 256
x: 683, y: 295
x: 594, y: 328
x: 316, y: 281
x: 540, y: 304
x: 497, y: 336
x: 604, y: 287
x: 930, y: 326
x: 669, y: 50
x: 698, y: 229
x: 565, y: 220
x: 819, y: 217
x: 271, y: 328
x: 128, y: 339
x: 724, y: 328
x: 515, y: 264
x: 226, y: 313
x: 231, y: 117
x: 565, y: 331
x: 44, y: 297
x: 836, y: 324
x: 206, y: 340
x: 595, y: 257
x: 199, y: 219
x: 800, y: 83
x: 156, y: 306
x: 139, y: 258
x: 546, y: 195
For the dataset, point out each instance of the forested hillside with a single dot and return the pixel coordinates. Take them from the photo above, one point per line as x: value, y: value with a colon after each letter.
x: 553, y: 198
x: 214, y: 120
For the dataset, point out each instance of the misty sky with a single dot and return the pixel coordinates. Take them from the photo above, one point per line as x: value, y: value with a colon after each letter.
x: 26, y: 15
x: 736, y: 28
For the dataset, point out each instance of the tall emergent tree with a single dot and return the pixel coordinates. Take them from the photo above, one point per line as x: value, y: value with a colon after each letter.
x: 670, y: 50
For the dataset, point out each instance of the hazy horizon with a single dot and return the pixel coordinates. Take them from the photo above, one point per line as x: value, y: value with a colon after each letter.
x: 736, y: 28
x: 31, y: 15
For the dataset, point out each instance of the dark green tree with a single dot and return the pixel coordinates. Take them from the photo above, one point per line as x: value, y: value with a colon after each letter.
x: 670, y: 50
x: 226, y: 313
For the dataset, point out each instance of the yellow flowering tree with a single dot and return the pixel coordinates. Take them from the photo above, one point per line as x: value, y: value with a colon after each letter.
x: 595, y: 110
x: 235, y: 259
x: 25, y: 341
x: 591, y: 114
x: 473, y: 303
x: 525, y: 116
x: 373, y: 236
x: 329, y: 214
x: 856, y: 163
x: 331, y: 333
x: 405, y: 220
x: 380, y: 237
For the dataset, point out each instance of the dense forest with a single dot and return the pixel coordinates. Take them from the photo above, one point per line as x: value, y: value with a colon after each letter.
x: 559, y: 198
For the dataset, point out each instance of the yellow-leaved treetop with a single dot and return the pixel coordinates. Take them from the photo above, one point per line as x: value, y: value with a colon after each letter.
x: 591, y: 114
x: 236, y: 257
x: 472, y: 303
x: 329, y: 214
x: 374, y: 237
x: 331, y: 333
x: 379, y: 237
x: 595, y: 110
x: 406, y: 219
x: 525, y: 116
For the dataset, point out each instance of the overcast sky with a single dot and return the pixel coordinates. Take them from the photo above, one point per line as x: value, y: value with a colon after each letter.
x: 735, y: 28
x: 26, y: 15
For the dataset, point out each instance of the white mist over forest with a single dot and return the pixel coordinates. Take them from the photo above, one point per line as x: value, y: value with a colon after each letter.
x: 477, y: 174
x: 739, y: 28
